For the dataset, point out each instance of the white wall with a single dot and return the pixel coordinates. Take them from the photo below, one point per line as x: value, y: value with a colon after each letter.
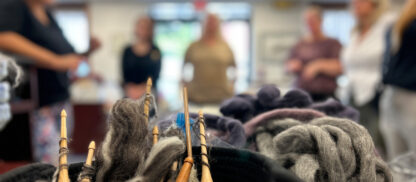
x: 267, y: 19
x: 112, y: 23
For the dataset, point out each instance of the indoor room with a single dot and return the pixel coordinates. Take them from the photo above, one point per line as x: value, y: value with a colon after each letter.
x: 207, y: 90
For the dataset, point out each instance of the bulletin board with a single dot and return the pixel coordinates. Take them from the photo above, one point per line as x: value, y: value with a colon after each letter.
x: 276, y: 46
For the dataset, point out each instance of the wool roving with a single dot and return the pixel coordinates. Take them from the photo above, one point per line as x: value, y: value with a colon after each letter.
x: 301, y: 140
x: 10, y: 71
x: 332, y: 107
x: 180, y: 122
x: 160, y: 160
x: 10, y: 74
x: 126, y: 144
x: 330, y: 149
x: 171, y: 131
x: 268, y: 98
x: 268, y: 95
x: 303, y: 115
x: 240, y: 107
x: 86, y: 173
x: 226, y: 164
x: 294, y: 99
x: 193, y: 177
x: 232, y: 131
x: 265, y: 133
x: 244, y: 107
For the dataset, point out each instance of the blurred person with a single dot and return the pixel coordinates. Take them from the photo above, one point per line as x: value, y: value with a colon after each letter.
x: 211, y: 58
x: 398, y: 103
x: 141, y: 60
x: 362, y: 59
x: 315, y: 59
x: 28, y: 28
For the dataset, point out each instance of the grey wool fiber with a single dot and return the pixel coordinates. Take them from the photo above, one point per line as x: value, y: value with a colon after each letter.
x: 126, y: 144
x: 266, y: 133
x: 87, y: 173
x: 193, y: 177
x: 171, y: 131
x: 55, y: 175
x: 300, y: 140
x: 14, y: 71
x: 325, y: 149
x: 160, y: 160
x: 15, y: 75
x: 126, y: 153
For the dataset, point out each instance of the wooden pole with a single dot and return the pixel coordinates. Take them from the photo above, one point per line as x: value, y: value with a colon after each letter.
x: 63, y: 144
x: 187, y: 123
x: 206, y: 173
x: 155, y: 134
x: 185, y: 171
x: 88, y: 162
x: 147, y: 99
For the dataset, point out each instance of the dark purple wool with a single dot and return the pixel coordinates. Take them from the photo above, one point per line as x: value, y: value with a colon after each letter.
x: 332, y: 107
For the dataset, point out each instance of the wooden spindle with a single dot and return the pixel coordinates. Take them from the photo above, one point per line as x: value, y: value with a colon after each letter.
x: 206, y: 173
x: 147, y: 98
x: 63, y: 145
x: 185, y: 171
x: 88, y: 162
x: 155, y: 134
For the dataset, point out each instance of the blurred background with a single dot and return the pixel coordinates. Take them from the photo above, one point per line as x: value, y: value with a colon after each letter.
x: 260, y: 34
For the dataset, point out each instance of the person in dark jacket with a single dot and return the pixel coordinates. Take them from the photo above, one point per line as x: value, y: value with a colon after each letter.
x: 398, y: 114
x: 28, y: 28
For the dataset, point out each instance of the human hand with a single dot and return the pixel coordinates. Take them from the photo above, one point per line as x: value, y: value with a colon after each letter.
x: 311, y: 70
x: 294, y: 65
x: 67, y: 62
x: 95, y: 44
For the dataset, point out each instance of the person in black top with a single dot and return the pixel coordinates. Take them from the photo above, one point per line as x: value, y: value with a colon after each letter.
x: 141, y: 60
x: 28, y: 28
x: 398, y: 116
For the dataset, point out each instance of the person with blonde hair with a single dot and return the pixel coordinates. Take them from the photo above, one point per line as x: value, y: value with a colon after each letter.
x: 210, y: 57
x: 362, y: 59
x: 398, y: 117
x: 315, y: 59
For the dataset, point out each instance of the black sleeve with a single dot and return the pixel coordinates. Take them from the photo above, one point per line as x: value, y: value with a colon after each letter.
x: 123, y: 64
x: 11, y: 15
x: 158, y: 66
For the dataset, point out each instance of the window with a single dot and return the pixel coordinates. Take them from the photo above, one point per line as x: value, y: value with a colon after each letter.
x: 75, y: 25
x: 178, y: 25
x: 338, y: 24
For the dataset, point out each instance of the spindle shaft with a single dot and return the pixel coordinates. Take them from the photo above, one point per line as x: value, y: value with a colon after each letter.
x: 155, y: 134
x: 206, y: 173
x: 88, y: 162
x: 185, y: 171
x: 147, y: 98
x: 63, y: 145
